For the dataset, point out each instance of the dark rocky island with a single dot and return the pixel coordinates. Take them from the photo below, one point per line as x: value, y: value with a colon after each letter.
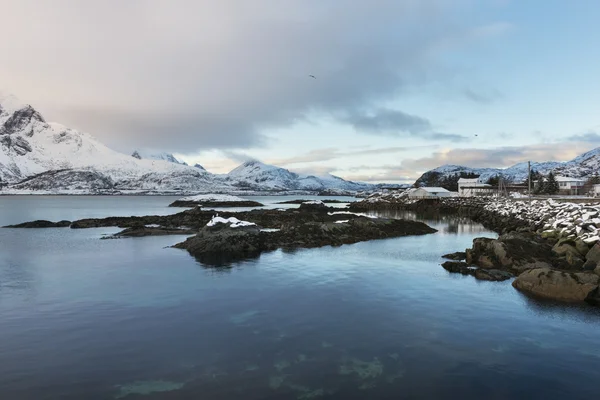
x: 227, y: 236
x: 214, y: 201
x: 327, y: 201
x: 41, y: 223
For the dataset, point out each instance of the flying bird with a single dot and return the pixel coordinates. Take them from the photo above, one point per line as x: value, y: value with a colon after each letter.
x: 312, y: 76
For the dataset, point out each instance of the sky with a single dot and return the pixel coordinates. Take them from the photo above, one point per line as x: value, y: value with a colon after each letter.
x: 399, y: 87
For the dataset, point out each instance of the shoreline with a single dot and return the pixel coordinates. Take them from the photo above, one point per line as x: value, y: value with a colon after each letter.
x: 552, y: 248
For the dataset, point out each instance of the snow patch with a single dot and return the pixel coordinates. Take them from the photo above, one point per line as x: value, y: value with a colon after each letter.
x: 233, y: 221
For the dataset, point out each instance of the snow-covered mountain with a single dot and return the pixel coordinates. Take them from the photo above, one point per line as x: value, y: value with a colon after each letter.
x: 164, y: 156
x: 255, y: 174
x: 38, y: 155
x: 580, y: 167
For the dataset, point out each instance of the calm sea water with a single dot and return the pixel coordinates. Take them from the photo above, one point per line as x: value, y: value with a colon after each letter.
x: 83, y: 318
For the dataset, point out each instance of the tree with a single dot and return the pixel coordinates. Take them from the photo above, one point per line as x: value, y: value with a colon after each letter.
x: 594, y: 179
x: 493, y: 180
x: 535, y: 176
x: 540, y: 186
x: 551, y: 186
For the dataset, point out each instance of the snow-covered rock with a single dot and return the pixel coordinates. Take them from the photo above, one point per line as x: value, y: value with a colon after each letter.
x: 232, y: 221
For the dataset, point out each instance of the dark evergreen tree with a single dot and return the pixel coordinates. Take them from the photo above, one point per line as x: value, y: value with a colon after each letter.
x: 540, y: 186
x: 551, y: 186
x: 494, y: 180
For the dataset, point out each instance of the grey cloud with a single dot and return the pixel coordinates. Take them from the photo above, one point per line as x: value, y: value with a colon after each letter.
x: 482, y: 96
x: 590, y: 137
x: 326, y: 154
x: 187, y: 75
x: 385, y: 121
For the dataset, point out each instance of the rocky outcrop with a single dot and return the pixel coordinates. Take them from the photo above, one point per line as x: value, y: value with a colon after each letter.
x: 313, y: 206
x: 222, y: 243
x: 520, y: 251
x: 142, y: 231
x: 40, y: 223
x: 558, y: 285
x: 479, y: 273
x: 459, y: 255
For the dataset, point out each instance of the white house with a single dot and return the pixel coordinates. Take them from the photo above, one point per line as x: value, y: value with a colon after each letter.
x: 430, y: 193
x: 473, y: 187
x: 567, y: 185
x: 596, y: 191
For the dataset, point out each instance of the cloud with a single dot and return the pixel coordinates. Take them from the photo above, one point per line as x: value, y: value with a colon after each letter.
x: 188, y: 75
x: 482, y: 96
x: 385, y: 121
x: 331, y: 153
x: 589, y: 137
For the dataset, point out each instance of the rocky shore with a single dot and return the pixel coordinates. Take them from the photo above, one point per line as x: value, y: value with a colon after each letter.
x: 553, y: 249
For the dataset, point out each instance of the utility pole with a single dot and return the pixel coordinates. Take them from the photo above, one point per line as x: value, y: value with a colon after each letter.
x: 529, y: 178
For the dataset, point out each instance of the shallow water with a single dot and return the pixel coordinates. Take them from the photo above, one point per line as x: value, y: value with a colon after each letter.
x: 83, y: 318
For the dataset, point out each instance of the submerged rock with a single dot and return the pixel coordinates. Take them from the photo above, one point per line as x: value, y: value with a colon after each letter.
x: 557, y: 285
x: 40, y: 223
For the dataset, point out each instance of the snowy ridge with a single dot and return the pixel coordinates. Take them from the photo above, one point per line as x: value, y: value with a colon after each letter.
x: 253, y: 174
x: 580, y: 167
x: 37, y: 156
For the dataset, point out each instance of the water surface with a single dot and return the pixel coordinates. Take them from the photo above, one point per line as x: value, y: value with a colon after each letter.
x: 83, y: 318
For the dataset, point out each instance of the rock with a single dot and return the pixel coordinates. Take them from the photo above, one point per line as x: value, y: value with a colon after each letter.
x: 574, y: 260
x: 220, y: 245
x: 315, y: 206
x: 565, y: 246
x: 597, y: 269
x: 457, y: 267
x: 594, y: 253
x: 492, y: 274
x: 593, y: 297
x: 582, y: 247
x: 40, y: 223
x: 459, y: 255
x: 557, y: 285
x: 589, y: 265
x: 151, y: 231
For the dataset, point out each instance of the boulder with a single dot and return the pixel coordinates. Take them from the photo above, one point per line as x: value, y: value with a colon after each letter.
x: 564, y: 247
x: 557, y: 285
x: 589, y: 265
x: 582, y: 247
x: 594, y: 253
x: 457, y: 267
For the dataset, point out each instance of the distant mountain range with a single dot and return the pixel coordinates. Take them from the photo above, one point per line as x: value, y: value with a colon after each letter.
x: 36, y: 155
x: 582, y: 166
